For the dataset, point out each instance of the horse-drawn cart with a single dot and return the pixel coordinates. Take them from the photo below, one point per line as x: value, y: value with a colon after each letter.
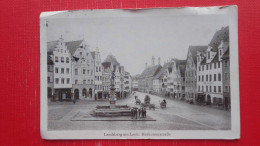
x: 163, y: 104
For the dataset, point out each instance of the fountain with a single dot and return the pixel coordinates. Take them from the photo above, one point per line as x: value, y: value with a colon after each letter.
x: 112, y: 109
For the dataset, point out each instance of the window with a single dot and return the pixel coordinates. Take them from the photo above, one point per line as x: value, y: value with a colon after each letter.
x: 210, y: 89
x: 62, y: 59
x: 208, y: 55
x: 76, y: 81
x: 202, y: 88
x: 215, y: 65
x: 68, y: 80
x: 202, y: 67
x: 99, y: 69
x: 206, y: 77
x: 56, y: 70
x: 199, y: 68
x: 88, y: 72
x: 67, y: 70
x: 84, y: 71
x: 215, y: 89
x: 96, y: 69
x: 215, y: 77
x: 225, y: 63
x: 67, y: 60
x: 62, y: 80
x: 84, y: 81
x: 206, y: 88
x: 226, y: 76
x: 199, y: 88
x: 91, y: 72
x: 202, y: 78
x: 219, y: 77
x: 50, y: 68
x: 209, y: 77
x: 219, y: 64
x: 62, y: 70
x: 207, y: 67
x: 57, y: 80
x: 199, y: 78
x: 219, y: 89
x: 49, y: 79
x: 76, y: 71
x: 56, y: 59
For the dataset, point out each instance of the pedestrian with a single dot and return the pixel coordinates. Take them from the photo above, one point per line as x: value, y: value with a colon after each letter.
x: 139, y: 112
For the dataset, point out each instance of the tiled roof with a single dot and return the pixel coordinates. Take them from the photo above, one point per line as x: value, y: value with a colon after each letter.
x: 226, y: 55
x: 181, y: 64
x: 72, y: 45
x: 106, y: 64
x: 112, y: 59
x: 222, y: 34
x: 51, y: 46
x: 150, y: 71
x: 160, y: 74
x: 194, y: 49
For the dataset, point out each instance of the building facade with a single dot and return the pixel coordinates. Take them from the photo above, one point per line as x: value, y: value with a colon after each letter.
x: 209, y: 69
x: 98, y: 73
x: 226, y: 79
x: 191, y: 72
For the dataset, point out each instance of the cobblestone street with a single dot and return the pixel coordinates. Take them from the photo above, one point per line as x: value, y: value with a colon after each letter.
x: 178, y: 115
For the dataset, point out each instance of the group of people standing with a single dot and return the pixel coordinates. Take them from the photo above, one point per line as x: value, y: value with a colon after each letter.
x: 138, y: 112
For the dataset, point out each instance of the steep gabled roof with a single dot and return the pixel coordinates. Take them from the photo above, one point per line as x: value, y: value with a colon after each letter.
x: 150, y: 71
x: 222, y: 34
x: 106, y: 64
x: 51, y: 46
x: 225, y: 55
x: 181, y: 64
x: 160, y: 74
x: 73, y: 46
x: 194, y: 49
x: 112, y: 59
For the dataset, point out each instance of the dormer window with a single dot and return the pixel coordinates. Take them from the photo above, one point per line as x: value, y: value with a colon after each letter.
x: 208, y: 55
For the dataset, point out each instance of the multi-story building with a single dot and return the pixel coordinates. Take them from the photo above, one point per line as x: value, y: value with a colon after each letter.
x: 209, y: 69
x: 50, y: 74
x: 191, y: 72
x: 98, y: 74
x: 109, y: 65
x: 226, y: 79
x: 127, y: 84
x: 158, y: 83
x: 145, y: 81
x: 135, y: 82
x: 61, y: 56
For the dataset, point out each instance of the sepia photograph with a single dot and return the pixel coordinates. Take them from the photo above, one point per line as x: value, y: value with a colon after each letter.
x: 169, y: 73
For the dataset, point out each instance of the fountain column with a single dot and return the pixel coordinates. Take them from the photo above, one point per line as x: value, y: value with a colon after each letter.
x: 112, y: 98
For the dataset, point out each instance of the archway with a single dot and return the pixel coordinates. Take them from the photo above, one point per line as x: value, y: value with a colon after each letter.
x: 84, y: 92
x: 90, y: 92
x: 49, y: 92
x: 208, y: 99
x: 76, y: 93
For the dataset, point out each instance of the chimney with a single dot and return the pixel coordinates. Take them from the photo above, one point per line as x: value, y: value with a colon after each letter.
x: 159, y: 61
x: 153, y: 60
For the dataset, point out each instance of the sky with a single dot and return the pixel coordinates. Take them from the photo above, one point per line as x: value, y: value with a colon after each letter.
x: 135, y: 40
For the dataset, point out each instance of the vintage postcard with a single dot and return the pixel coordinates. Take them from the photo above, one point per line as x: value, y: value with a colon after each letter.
x: 161, y: 73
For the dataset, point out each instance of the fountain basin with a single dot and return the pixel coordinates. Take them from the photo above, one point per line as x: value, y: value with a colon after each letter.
x: 106, y: 111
